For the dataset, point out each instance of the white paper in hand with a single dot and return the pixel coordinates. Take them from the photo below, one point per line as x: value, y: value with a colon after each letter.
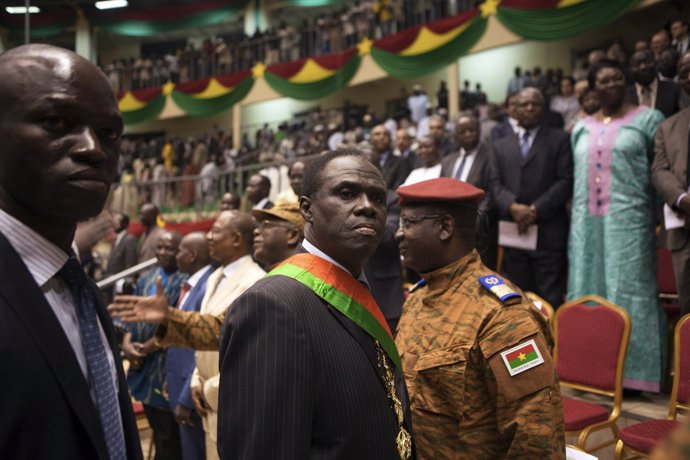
x: 572, y: 454
x: 672, y: 219
x: 508, y: 236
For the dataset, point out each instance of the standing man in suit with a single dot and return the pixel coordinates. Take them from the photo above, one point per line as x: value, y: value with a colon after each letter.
x: 124, y: 252
x: 444, y: 142
x: 510, y: 125
x: 230, y: 244
x: 148, y: 216
x: 62, y: 389
x: 258, y: 189
x: 531, y: 182
x: 393, y: 168
x: 670, y: 177
x: 308, y: 365
x: 123, y: 255
x: 681, y: 38
x: 648, y: 89
x: 471, y: 164
x: 193, y: 259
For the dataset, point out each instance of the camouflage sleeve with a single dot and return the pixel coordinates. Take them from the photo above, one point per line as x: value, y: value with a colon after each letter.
x: 529, y: 415
x: 190, y: 329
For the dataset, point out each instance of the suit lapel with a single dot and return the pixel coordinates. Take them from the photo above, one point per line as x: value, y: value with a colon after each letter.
x: 27, y: 301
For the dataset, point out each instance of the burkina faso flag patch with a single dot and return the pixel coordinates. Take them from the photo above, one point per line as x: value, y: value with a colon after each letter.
x: 523, y: 357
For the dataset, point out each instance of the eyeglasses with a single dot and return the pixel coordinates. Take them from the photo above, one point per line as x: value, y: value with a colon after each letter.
x: 264, y: 224
x: 406, y: 221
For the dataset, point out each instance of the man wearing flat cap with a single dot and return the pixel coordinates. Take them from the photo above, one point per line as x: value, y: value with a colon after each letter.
x: 474, y: 350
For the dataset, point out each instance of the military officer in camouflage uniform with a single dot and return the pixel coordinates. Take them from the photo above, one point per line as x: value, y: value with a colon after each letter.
x: 475, y: 351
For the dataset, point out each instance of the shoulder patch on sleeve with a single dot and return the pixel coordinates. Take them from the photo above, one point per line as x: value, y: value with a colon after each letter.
x: 499, y: 288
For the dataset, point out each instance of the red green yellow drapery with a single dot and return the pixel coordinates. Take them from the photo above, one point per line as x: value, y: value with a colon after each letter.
x: 314, y: 77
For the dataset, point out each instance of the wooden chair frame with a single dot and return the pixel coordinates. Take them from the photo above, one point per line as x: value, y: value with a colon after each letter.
x: 617, y: 393
x: 673, y: 405
x: 550, y: 312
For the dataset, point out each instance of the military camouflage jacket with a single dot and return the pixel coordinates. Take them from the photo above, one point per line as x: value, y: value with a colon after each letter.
x: 459, y: 346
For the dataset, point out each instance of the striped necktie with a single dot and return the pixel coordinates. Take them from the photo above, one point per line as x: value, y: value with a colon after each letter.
x: 99, y: 371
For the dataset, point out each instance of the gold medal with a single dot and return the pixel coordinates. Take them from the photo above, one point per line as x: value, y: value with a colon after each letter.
x: 404, y: 440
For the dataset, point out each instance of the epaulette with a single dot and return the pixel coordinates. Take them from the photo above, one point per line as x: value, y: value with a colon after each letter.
x: 417, y: 285
x: 499, y: 288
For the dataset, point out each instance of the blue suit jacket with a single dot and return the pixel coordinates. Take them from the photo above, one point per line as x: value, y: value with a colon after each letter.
x: 181, y: 361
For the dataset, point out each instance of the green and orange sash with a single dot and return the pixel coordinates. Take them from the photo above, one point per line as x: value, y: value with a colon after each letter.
x: 343, y: 292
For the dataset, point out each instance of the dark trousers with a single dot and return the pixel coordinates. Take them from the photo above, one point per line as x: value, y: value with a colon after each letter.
x: 681, y: 269
x: 166, y: 434
x: 192, y: 439
x: 541, y: 272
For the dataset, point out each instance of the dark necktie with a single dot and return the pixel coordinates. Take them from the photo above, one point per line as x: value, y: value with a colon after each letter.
x: 524, y: 144
x: 100, y: 376
x: 458, y: 173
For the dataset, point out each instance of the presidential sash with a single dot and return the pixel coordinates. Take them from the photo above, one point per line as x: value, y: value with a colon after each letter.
x: 344, y: 293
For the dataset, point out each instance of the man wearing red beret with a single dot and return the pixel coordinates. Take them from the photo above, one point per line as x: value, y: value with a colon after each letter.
x: 475, y: 352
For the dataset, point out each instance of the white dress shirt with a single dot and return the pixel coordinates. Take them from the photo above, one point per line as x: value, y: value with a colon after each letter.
x: 313, y: 250
x: 193, y: 281
x: 43, y: 260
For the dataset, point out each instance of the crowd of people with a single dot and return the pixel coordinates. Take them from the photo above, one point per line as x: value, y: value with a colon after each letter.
x: 325, y: 34
x: 285, y: 330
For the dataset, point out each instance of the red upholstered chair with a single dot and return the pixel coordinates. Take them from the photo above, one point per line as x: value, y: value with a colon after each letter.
x: 591, y: 337
x: 640, y: 438
x: 666, y: 280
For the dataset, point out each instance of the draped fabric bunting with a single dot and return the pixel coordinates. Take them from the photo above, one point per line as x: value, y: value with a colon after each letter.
x: 314, y: 77
x: 199, y: 98
x: 558, y: 19
x: 425, y: 49
x: 209, y: 96
x: 142, y: 105
x: 408, y: 54
x: 43, y: 25
x: 151, y: 21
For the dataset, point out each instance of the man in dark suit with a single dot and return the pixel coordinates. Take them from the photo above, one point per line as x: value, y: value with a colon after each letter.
x: 258, y: 189
x: 148, y: 242
x: 306, y: 372
x: 394, y: 169
x: 62, y: 389
x: 531, y: 182
x: 383, y: 269
x: 193, y: 259
x: 123, y: 254
x: 444, y: 142
x: 510, y: 124
x: 648, y: 89
x: 471, y: 164
x: 670, y: 177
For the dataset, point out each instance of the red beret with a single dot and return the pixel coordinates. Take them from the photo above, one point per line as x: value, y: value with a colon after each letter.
x: 442, y: 189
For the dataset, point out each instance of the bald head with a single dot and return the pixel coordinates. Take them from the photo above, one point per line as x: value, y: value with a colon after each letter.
x: 60, y: 144
x: 193, y: 254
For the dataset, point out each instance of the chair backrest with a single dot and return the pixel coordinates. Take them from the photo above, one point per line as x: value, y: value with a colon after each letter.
x: 592, y: 337
x: 665, y: 278
x: 680, y: 394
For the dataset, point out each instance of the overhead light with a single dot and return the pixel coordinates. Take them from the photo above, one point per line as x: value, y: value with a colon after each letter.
x: 108, y: 4
x: 22, y: 9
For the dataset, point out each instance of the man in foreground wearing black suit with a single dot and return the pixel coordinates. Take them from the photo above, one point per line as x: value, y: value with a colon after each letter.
x: 62, y: 389
x: 531, y: 182
x: 648, y: 89
x: 308, y: 365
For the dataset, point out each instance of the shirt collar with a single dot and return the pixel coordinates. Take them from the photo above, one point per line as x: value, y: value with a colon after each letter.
x: 469, y: 153
x: 231, y: 268
x: 261, y: 204
x: 532, y: 131
x: 194, y: 279
x: 42, y: 258
x: 313, y: 250
x: 442, y: 278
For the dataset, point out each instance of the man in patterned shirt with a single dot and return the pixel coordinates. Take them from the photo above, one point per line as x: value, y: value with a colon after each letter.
x: 475, y: 351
